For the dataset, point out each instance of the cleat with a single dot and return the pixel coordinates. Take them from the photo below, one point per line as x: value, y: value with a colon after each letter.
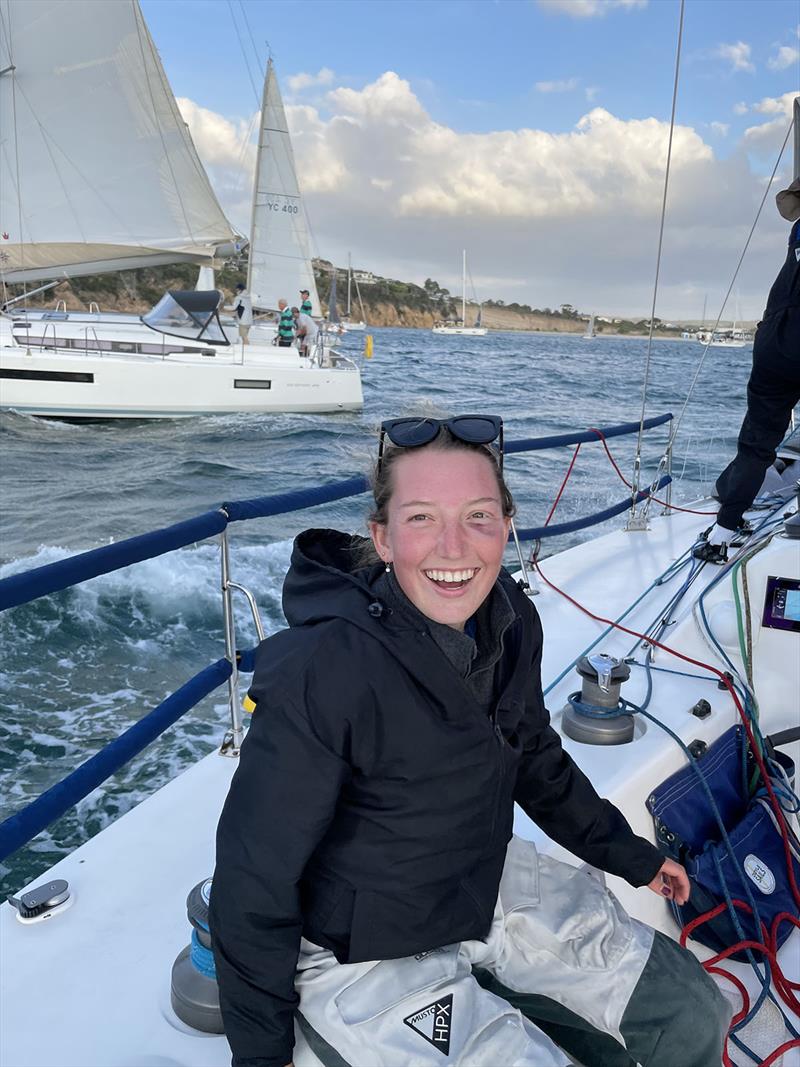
x: 708, y: 553
x: 744, y: 532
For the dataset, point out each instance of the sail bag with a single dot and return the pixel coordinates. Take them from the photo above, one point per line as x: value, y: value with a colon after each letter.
x: 751, y: 865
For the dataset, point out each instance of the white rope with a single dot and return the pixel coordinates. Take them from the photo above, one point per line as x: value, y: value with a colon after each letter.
x: 637, y: 463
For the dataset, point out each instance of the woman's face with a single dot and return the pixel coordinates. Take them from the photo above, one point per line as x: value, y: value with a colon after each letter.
x: 445, y: 532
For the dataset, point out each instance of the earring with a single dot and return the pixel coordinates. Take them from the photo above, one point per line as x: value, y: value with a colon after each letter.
x: 389, y: 567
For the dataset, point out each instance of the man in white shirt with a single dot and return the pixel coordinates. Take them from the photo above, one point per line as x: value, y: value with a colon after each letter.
x: 243, y: 309
x: 306, y: 331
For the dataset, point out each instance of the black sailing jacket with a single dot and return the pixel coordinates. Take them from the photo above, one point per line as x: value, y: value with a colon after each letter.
x: 373, y: 801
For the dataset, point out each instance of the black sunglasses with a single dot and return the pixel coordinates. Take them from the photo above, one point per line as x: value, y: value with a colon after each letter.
x: 415, y: 432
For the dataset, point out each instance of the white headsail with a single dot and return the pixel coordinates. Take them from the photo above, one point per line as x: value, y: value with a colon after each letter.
x: 97, y: 168
x: 280, y: 257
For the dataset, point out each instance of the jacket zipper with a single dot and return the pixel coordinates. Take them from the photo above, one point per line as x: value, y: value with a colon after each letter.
x: 498, y: 734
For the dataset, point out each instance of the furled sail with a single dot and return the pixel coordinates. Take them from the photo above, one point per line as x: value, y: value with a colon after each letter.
x: 97, y: 168
x: 280, y: 257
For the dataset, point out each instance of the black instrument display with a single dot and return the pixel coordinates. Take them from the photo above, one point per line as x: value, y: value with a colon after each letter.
x: 782, y: 604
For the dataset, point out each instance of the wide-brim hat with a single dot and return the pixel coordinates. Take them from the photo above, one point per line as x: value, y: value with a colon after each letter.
x: 788, y: 201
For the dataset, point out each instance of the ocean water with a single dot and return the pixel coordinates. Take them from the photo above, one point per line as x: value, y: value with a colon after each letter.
x: 80, y: 666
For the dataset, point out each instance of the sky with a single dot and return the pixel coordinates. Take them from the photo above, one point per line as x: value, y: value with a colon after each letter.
x: 533, y: 133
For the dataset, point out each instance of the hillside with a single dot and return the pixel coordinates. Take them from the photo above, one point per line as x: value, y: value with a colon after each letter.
x: 387, y: 301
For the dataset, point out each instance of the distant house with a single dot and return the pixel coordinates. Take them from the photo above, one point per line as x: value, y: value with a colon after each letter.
x: 364, y: 277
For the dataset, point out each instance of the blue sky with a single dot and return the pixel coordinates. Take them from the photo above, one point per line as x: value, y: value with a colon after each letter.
x: 481, y: 67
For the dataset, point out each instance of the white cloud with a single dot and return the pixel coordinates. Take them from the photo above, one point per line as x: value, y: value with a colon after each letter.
x: 591, y: 92
x: 298, y: 82
x: 558, y: 216
x: 564, y: 86
x: 740, y: 108
x: 738, y: 55
x: 781, y: 107
x: 588, y: 9
x: 228, y: 153
x: 786, y: 56
x: 721, y: 128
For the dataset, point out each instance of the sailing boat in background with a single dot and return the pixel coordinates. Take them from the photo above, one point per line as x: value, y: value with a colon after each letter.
x: 351, y: 327
x: 460, y: 329
x: 590, y: 330
x: 137, y: 196
x: 280, y: 254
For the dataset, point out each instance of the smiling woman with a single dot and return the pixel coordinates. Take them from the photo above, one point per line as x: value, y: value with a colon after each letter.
x: 442, y: 526
x: 386, y: 906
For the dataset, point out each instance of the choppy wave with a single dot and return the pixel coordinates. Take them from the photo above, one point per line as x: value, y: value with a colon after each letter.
x: 83, y: 664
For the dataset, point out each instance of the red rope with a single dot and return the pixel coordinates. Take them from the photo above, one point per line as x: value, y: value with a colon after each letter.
x: 563, y: 485
x: 769, y: 947
x: 624, y: 480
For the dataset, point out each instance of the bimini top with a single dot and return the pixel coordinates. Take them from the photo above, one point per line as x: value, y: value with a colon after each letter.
x: 189, y: 313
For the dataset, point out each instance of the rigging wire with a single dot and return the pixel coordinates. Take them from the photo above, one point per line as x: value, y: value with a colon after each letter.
x: 676, y: 424
x: 637, y: 463
x: 244, y: 54
x: 259, y: 65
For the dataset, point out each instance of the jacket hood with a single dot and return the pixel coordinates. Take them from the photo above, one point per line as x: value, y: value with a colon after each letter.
x: 326, y: 580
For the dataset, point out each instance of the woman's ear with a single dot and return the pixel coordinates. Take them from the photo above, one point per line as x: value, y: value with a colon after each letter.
x: 379, y: 534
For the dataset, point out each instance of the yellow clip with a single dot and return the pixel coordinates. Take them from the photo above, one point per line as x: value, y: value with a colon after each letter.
x: 368, y: 346
x: 249, y: 704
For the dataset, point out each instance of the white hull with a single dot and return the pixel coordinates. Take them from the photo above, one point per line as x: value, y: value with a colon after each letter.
x: 460, y: 331
x: 729, y: 344
x: 354, y: 327
x: 123, y: 370
x: 90, y: 987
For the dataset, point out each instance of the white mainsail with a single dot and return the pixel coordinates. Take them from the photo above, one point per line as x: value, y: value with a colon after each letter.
x: 280, y: 258
x: 98, y: 171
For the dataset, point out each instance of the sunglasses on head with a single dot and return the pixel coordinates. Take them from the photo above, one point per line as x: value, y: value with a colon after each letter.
x: 415, y: 432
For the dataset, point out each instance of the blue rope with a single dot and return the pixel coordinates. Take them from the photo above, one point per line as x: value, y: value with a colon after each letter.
x: 662, y: 578
x: 202, y: 958
x: 597, y: 711
x: 763, y: 979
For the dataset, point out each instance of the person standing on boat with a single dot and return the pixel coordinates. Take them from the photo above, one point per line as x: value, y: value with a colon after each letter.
x: 306, y: 306
x: 772, y: 392
x: 368, y: 886
x: 285, y: 324
x: 306, y: 331
x: 243, y: 309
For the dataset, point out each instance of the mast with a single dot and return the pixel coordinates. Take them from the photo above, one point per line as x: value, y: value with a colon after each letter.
x: 349, y: 281
x: 796, y: 112
x: 464, y: 287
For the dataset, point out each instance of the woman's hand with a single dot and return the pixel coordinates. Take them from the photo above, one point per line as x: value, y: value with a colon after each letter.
x: 671, y: 882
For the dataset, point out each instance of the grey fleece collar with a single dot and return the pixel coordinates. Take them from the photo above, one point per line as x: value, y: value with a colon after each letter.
x: 468, y: 655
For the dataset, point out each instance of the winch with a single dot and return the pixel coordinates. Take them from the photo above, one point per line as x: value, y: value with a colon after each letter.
x: 194, y: 993
x: 597, y: 715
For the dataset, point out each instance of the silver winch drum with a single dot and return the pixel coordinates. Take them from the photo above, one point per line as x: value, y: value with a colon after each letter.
x: 601, y: 681
x: 194, y: 992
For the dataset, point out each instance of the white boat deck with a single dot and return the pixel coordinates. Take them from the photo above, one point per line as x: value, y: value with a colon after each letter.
x: 90, y: 986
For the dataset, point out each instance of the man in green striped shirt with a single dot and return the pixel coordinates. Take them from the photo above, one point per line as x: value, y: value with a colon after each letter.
x: 285, y: 324
x: 306, y: 307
